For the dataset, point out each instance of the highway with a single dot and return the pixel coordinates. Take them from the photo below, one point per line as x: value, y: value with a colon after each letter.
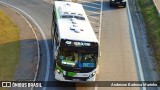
x: 117, y: 55
x: 117, y: 61
x: 41, y: 12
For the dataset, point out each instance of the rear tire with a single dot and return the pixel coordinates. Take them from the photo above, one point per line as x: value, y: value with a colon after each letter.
x: 110, y: 3
x: 54, y: 65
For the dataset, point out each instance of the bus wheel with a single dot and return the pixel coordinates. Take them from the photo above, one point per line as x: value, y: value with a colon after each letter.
x: 111, y: 5
x: 124, y: 5
x: 54, y: 65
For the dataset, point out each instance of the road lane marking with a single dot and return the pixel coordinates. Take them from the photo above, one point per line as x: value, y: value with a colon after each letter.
x: 92, y: 12
x: 94, y: 17
x: 91, y: 7
x: 135, y: 45
x: 91, y: 3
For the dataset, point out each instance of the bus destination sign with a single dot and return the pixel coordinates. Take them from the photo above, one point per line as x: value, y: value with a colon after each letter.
x: 75, y: 43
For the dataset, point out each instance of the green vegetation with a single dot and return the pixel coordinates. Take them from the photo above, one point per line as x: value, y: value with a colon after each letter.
x: 9, y: 47
x: 152, y: 22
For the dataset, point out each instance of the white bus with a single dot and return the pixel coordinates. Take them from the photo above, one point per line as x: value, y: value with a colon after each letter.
x: 75, y: 44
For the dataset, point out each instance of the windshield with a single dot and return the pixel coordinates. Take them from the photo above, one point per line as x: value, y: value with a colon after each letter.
x: 77, y: 58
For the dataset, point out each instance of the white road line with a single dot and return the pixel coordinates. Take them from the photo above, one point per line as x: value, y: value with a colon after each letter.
x: 96, y: 88
x: 93, y: 17
x: 49, y: 1
x: 92, y: 12
x: 135, y: 45
x: 41, y: 31
x: 91, y: 7
x: 93, y: 22
x: 91, y: 3
x: 100, y: 23
x: 100, y: 28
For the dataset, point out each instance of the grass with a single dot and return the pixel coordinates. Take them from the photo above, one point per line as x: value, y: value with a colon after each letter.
x: 152, y: 22
x: 9, y: 47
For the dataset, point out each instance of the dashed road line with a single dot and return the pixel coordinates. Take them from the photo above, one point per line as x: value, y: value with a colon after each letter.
x: 91, y: 3
x: 135, y: 46
x: 91, y: 7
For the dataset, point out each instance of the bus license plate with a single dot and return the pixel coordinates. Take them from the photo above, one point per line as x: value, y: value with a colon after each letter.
x: 75, y: 79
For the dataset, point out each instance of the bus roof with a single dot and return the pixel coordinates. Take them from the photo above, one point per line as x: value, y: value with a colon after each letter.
x: 72, y: 22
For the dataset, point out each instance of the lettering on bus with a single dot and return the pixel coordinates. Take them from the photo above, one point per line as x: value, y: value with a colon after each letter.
x: 71, y: 43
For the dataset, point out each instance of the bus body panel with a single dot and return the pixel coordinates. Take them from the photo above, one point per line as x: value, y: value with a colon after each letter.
x: 78, y: 43
x: 76, y: 77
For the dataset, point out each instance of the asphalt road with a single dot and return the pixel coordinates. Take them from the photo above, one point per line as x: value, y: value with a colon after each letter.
x: 117, y: 61
x: 147, y: 59
x: 41, y: 12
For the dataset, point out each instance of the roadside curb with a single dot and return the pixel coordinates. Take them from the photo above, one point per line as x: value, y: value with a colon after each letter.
x: 135, y: 46
x: 34, y: 32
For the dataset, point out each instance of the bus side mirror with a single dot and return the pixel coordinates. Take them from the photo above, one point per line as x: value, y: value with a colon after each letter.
x: 99, y: 53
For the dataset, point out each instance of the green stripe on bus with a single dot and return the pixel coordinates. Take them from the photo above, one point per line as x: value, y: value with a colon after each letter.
x: 57, y: 14
x: 71, y: 74
x: 59, y: 68
x: 69, y: 61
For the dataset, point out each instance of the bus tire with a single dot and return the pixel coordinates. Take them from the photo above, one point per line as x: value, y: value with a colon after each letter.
x: 111, y: 5
x: 124, y: 5
x: 54, y: 65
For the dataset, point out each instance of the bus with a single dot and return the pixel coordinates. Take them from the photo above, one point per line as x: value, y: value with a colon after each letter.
x: 75, y: 45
